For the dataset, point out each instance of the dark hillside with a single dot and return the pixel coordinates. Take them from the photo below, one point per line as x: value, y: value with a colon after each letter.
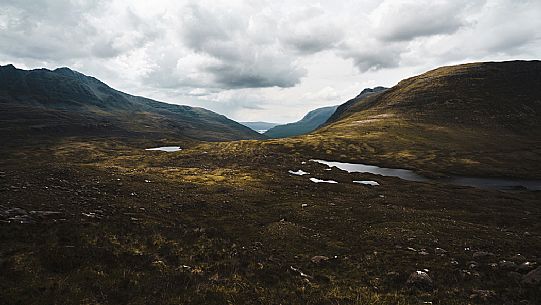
x: 67, y: 103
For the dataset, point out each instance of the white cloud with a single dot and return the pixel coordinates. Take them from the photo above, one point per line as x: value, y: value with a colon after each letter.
x: 407, y: 20
x: 263, y: 60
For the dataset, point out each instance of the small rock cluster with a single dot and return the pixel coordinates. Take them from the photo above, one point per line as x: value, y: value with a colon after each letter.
x: 22, y: 216
x: 420, y: 280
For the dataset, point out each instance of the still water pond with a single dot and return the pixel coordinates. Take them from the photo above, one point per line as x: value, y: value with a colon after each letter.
x: 166, y: 148
x: 493, y: 183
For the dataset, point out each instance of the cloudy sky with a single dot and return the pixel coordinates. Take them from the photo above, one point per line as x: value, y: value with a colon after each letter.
x: 263, y: 60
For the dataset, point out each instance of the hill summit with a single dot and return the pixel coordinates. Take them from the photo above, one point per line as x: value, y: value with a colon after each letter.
x: 478, y: 118
x: 63, y: 102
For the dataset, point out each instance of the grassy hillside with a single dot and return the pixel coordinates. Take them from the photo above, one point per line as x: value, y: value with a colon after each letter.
x: 67, y: 103
x: 307, y: 124
x: 476, y: 119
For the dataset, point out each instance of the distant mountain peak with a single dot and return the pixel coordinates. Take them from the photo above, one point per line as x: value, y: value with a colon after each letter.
x: 370, y: 90
x: 8, y: 67
x: 345, y: 106
x: 64, y: 70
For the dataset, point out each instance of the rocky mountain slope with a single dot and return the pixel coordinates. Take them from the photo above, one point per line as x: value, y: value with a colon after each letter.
x: 64, y: 102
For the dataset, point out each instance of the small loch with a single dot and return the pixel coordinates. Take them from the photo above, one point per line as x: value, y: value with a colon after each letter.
x: 166, y: 148
x: 478, y: 182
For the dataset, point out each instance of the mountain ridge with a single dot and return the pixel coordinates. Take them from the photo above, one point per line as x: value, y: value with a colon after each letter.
x: 64, y: 101
x: 310, y: 122
x: 365, y: 93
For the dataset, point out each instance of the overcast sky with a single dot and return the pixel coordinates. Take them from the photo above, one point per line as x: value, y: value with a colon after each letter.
x: 263, y: 60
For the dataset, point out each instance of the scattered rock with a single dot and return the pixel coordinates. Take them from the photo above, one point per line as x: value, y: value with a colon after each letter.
x: 186, y: 267
x: 159, y: 264
x: 393, y: 274
x: 15, y: 211
x: 469, y: 273
x: 507, y: 265
x: 319, y: 259
x: 90, y: 215
x: 482, y: 295
x: 16, y: 215
x: 482, y: 254
x: 533, y: 277
x: 440, y: 251
x: 526, y: 266
x: 23, y: 219
x: 472, y: 264
x: 423, y: 252
x: 518, y: 258
x: 44, y: 213
x: 420, y: 280
x: 300, y: 273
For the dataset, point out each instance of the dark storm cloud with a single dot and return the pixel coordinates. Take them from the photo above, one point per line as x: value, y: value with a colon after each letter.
x: 313, y: 42
x: 237, y: 76
x: 242, y: 57
x: 366, y: 60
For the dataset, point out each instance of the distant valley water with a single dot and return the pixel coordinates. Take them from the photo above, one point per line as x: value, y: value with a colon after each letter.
x: 490, y: 183
x: 259, y: 127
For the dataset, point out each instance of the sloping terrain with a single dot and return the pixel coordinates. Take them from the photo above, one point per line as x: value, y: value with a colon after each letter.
x: 67, y: 103
x: 308, y: 123
x: 343, y: 108
x: 475, y: 119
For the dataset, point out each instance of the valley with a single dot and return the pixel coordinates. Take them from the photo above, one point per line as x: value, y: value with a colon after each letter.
x: 214, y: 213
